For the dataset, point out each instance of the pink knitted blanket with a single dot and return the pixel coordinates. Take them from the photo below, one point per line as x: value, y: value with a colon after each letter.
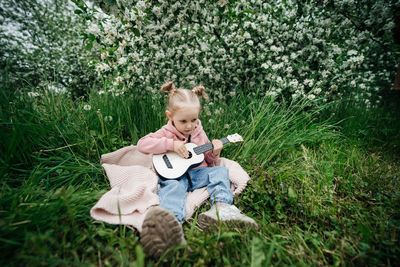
x: 134, y: 186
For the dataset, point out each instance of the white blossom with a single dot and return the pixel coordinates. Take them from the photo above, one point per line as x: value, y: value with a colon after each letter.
x: 33, y: 94
x: 108, y: 118
x: 122, y: 61
x: 352, y: 52
x: 311, y: 97
x: 299, y: 56
x: 94, y: 29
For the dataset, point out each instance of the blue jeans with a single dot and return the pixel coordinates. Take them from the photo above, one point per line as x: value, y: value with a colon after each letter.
x: 172, y: 193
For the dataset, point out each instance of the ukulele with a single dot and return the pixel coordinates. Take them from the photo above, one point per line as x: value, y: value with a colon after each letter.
x: 172, y: 166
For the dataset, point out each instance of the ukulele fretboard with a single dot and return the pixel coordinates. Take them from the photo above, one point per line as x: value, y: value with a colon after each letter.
x: 209, y: 146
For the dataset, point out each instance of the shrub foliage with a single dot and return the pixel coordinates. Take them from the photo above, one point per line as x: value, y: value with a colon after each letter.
x: 316, y: 49
x: 42, y: 41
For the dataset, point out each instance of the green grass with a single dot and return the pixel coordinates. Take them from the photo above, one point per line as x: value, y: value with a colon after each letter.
x: 323, y: 191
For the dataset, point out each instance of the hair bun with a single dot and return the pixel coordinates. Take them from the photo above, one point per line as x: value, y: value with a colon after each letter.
x: 200, y: 91
x: 168, y: 87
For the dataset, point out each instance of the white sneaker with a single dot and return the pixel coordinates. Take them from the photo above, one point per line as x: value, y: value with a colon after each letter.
x: 226, y: 214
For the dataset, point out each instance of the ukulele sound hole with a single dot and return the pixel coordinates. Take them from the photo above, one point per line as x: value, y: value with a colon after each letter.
x: 190, y: 155
x: 167, y: 162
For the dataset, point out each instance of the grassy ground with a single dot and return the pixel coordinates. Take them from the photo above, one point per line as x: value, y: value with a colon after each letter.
x: 323, y: 192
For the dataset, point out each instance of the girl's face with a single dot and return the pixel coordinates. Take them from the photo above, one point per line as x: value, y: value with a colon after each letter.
x: 184, y: 119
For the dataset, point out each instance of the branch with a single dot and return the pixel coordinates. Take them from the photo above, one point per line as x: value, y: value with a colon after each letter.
x: 363, y: 27
x: 221, y: 40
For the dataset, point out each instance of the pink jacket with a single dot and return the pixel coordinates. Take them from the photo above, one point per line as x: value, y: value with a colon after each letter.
x: 163, y: 141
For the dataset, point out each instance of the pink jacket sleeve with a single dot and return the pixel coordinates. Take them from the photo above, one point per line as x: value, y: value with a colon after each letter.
x: 155, y: 143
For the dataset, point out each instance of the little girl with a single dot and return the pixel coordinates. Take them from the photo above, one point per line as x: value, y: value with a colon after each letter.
x: 162, y: 225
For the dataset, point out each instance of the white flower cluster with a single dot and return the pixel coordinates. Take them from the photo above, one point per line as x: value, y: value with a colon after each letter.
x: 42, y: 40
x: 288, y: 47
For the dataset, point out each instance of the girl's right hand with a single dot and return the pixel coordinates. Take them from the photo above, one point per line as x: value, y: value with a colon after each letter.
x: 180, y: 149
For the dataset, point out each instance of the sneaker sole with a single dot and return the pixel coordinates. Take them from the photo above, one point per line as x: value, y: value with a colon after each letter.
x: 160, y: 231
x: 205, y: 222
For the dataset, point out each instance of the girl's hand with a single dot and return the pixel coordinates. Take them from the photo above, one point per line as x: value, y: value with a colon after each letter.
x: 180, y: 149
x: 217, y: 144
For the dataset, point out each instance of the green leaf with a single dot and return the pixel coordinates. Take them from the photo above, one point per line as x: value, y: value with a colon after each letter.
x: 92, y: 37
x: 112, y: 49
x: 247, y: 147
x: 136, y: 32
x: 139, y: 256
x: 257, y: 253
x: 248, y: 11
x: 78, y: 11
x: 365, y: 232
x: 89, y: 46
x: 228, y: 235
x: 291, y: 193
x: 80, y: 4
x: 270, y: 253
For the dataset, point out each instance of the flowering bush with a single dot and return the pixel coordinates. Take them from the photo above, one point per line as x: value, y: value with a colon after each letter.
x: 41, y: 42
x: 297, y: 49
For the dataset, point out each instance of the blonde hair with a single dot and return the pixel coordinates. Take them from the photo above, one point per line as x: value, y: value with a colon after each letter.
x: 182, y: 97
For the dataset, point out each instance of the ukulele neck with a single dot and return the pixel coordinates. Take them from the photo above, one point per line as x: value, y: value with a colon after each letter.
x: 209, y: 146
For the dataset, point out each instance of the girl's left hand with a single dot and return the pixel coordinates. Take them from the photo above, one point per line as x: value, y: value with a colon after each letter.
x: 217, y: 144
